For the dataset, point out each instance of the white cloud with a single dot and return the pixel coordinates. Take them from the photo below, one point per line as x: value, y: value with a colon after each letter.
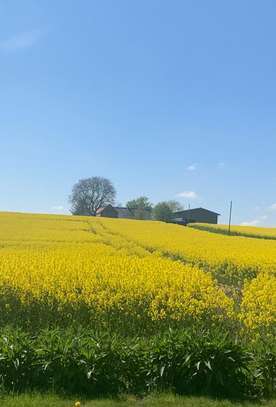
x: 188, y: 195
x: 272, y: 207
x: 57, y: 208
x: 192, y: 167
x: 20, y: 41
x: 254, y: 222
x: 260, y: 220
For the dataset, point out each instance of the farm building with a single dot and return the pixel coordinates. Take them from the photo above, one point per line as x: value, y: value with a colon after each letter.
x: 197, y: 215
x: 107, y: 211
x: 110, y: 211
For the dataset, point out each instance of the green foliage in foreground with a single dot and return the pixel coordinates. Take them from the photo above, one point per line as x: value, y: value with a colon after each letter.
x: 84, y: 363
x: 162, y: 400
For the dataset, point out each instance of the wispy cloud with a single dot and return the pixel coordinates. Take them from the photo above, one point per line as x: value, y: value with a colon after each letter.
x: 20, y: 41
x: 221, y: 164
x: 57, y: 208
x: 264, y: 216
x: 192, y: 167
x: 253, y: 222
x: 188, y: 195
x: 272, y: 207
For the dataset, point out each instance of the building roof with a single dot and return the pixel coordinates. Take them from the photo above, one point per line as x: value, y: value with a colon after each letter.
x: 100, y: 210
x: 119, y: 209
x: 123, y: 211
x: 189, y: 211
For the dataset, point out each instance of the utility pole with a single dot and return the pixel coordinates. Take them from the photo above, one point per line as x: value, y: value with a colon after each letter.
x: 230, y: 218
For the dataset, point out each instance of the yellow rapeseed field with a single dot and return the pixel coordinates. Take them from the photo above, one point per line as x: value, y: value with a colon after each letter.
x: 114, y: 271
x: 247, y: 231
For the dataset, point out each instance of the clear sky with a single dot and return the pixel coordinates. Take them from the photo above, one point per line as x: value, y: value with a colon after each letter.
x: 169, y: 99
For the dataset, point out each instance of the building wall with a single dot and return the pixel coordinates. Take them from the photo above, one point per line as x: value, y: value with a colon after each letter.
x: 108, y: 212
x: 203, y: 217
x: 199, y: 216
x: 124, y: 213
x: 143, y: 215
x: 133, y: 214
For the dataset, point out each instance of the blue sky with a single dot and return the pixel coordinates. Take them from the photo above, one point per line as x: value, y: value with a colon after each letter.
x: 169, y: 99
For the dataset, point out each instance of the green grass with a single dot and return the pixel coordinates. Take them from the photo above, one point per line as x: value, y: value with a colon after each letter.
x: 165, y: 400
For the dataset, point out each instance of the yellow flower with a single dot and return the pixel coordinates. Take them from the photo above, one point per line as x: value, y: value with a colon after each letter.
x: 146, y: 270
x: 77, y: 404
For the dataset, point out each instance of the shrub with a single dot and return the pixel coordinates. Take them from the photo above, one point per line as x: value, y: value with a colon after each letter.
x: 100, y: 364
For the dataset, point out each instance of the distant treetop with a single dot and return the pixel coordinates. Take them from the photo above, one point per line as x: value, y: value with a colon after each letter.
x: 141, y: 206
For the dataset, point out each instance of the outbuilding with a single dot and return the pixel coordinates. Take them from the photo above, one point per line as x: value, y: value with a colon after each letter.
x: 107, y: 211
x: 196, y: 215
x: 121, y: 212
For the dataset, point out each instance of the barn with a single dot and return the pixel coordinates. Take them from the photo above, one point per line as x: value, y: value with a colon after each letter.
x: 107, y: 211
x: 121, y: 212
x: 196, y: 215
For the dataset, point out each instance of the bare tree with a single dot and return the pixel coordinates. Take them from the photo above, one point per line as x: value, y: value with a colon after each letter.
x: 90, y: 194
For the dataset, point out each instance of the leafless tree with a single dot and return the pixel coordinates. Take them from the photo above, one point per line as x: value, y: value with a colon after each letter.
x: 90, y: 194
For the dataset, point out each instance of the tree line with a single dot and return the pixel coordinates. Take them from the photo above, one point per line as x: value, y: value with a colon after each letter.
x: 90, y: 194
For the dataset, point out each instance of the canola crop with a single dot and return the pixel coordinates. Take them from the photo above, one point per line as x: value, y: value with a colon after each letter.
x: 259, y: 302
x: 231, y: 256
x: 247, y: 231
x: 112, y: 271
